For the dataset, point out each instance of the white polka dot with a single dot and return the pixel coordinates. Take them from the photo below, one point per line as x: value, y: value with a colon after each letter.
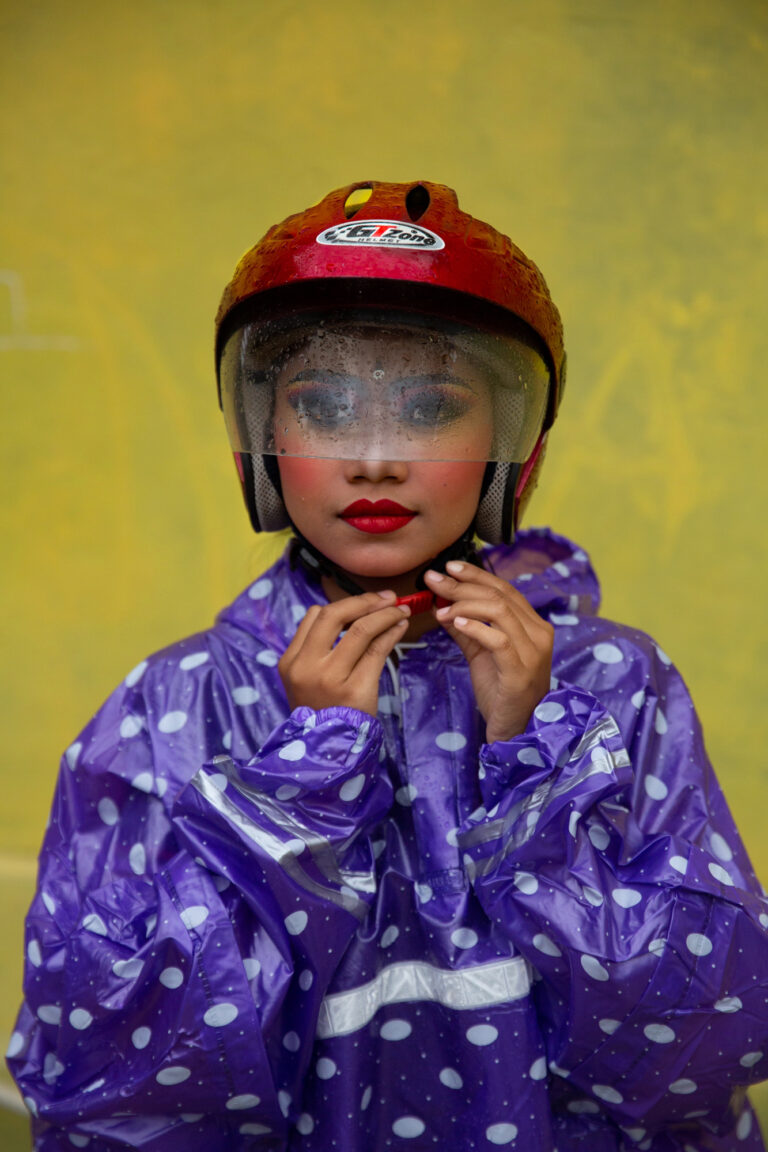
x: 245, y: 1100
x: 501, y: 1133
x: 635, y: 1134
x: 481, y: 1035
x: 452, y: 837
x: 245, y: 694
x: 698, y: 944
x: 565, y: 618
x: 80, y: 1019
x: 538, y: 1070
x: 389, y: 935
x: 171, y: 977
x: 151, y: 923
x: 526, y: 883
x: 679, y: 863
x: 626, y: 897
x: 395, y: 1030
x: 549, y: 711
x: 744, y: 1126
x: 284, y: 1100
x: 729, y: 1004
x: 305, y: 1124
x: 607, y: 1093
x: 268, y: 658
x: 406, y: 795
x: 219, y: 1015
x: 34, y: 953
x: 172, y: 722
x: 107, y: 810
x: 78, y: 1140
x: 464, y: 937
x: 137, y: 858
x: 749, y: 1059
x: 254, y: 1129
x: 655, y: 788
x: 351, y: 789
x: 592, y: 896
x: 366, y: 1098
x: 424, y: 893
x: 763, y: 918
x: 583, y: 1107
x: 660, y: 722
x: 683, y: 1087
x: 298, y: 612
x: 52, y: 1067
x: 162, y: 787
x: 388, y: 705
x: 296, y: 750
x: 720, y: 847
x: 141, y: 1037
x: 191, y: 1117
x: 306, y: 980
x: 72, y: 753
x: 608, y: 1026
x: 94, y: 923
x: 719, y: 873
x: 252, y: 967
x: 451, y: 1079
x: 31, y: 1105
x: 599, y: 837
x: 544, y: 944
x: 594, y: 968
x: 638, y: 698
x: 136, y: 673
x: 573, y: 820
x: 561, y: 569
x: 656, y: 947
x: 261, y: 589
x: 226, y: 739
x: 451, y: 741
x: 144, y: 782
x: 659, y: 1033
x: 530, y: 756
x: 326, y: 1068
x: 608, y: 653
x: 194, y: 916
x: 292, y: 1041
x: 194, y: 660
x: 15, y: 1045
x: 408, y: 1127
x: 287, y: 791
x: 296, y: 922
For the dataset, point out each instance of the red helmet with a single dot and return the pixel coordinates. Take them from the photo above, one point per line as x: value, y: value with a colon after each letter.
x: 409, y: 247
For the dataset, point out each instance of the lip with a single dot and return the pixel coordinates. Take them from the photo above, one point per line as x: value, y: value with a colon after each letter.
x: 376, y: 508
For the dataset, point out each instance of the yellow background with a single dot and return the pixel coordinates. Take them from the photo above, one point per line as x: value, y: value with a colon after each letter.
x: 146, y: 145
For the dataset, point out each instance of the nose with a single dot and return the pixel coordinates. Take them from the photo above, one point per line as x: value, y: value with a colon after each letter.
x: 376, y: 470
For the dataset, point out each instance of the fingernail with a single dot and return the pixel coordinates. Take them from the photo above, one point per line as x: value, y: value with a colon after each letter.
x: 455, y: 566
x: 387, y: 594
x: 435, y: 576
x: 461, y: 621
x: 441, y: 612
x: 405, y: 609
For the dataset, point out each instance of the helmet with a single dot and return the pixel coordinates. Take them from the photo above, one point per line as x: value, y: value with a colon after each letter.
x: 405, y: 250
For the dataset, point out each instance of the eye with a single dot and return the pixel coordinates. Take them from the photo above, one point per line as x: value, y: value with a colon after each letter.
x: 432, y: 407
x: 321, y: 406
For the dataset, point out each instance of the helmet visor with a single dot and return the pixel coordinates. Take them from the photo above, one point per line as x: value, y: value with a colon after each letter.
x: 376, y: 385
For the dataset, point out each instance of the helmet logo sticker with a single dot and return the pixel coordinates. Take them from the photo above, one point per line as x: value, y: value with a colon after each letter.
x: 381, y: 234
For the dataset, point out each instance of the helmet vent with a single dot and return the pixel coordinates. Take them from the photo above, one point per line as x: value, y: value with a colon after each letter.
x: 356, y: 199
x: 417, y: 202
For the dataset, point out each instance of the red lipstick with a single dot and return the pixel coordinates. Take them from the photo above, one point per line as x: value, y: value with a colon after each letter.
x: 377, y: 516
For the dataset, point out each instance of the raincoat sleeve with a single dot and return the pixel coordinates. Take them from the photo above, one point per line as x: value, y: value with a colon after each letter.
x: 607, y: 854
x: 181, y: 940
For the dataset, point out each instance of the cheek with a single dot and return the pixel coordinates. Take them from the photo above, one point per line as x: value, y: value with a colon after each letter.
x: 456, y: 482
x: 302, y: 477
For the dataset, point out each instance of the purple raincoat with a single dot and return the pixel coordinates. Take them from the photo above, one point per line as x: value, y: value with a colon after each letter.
x: 319, y: 931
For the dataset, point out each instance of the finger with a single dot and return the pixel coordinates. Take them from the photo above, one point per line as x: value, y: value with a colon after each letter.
x: 365, y: 634
x: 501, y: 613
x: 302, y: 631
x: 461, y: 578
x: 332, y: 619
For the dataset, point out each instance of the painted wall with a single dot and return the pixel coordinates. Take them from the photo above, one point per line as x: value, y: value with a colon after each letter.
x: 147, y: 145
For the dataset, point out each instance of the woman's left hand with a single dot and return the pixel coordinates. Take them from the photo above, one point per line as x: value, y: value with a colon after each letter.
x: 506, y: 643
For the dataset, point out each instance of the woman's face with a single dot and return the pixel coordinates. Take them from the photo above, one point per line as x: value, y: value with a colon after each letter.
x: 386, y: 404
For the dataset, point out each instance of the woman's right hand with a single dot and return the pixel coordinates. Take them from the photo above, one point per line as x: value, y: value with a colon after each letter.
x: 319, y: 672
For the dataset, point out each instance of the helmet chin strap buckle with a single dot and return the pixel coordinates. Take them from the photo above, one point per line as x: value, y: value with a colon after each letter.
x: 419, y: 602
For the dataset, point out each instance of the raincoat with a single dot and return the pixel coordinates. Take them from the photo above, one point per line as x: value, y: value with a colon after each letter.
x: 321, y: 930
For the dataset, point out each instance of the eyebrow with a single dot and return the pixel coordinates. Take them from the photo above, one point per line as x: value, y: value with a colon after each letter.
x: 329, y: 376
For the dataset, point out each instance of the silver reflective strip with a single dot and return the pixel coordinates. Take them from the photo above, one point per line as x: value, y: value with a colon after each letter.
x: 282, y: 854
x: 595, y: 736
x: 498, y: 982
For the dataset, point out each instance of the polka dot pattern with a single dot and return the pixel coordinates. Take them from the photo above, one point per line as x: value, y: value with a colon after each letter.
x: 172, y: 722
x: 549, y: 711
x: 501, y: 1133
x: 607, y: 653
x: 451, y: 741
x: 450, y: 1078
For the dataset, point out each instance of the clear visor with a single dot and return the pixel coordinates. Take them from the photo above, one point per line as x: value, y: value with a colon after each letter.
x: 371, y: 385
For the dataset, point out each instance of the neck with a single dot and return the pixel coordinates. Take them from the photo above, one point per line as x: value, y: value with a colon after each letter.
x: 402, y: 585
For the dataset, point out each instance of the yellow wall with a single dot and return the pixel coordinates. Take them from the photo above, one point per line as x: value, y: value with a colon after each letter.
x: 145, y: 145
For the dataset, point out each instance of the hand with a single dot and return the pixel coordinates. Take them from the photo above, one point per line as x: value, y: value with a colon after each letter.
x: 321, y: 673
x: 506, y: 643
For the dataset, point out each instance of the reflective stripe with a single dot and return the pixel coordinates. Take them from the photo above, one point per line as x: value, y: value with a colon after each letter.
x: 602, y: 731
x: 283, y: 854
x: 499, y: 982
